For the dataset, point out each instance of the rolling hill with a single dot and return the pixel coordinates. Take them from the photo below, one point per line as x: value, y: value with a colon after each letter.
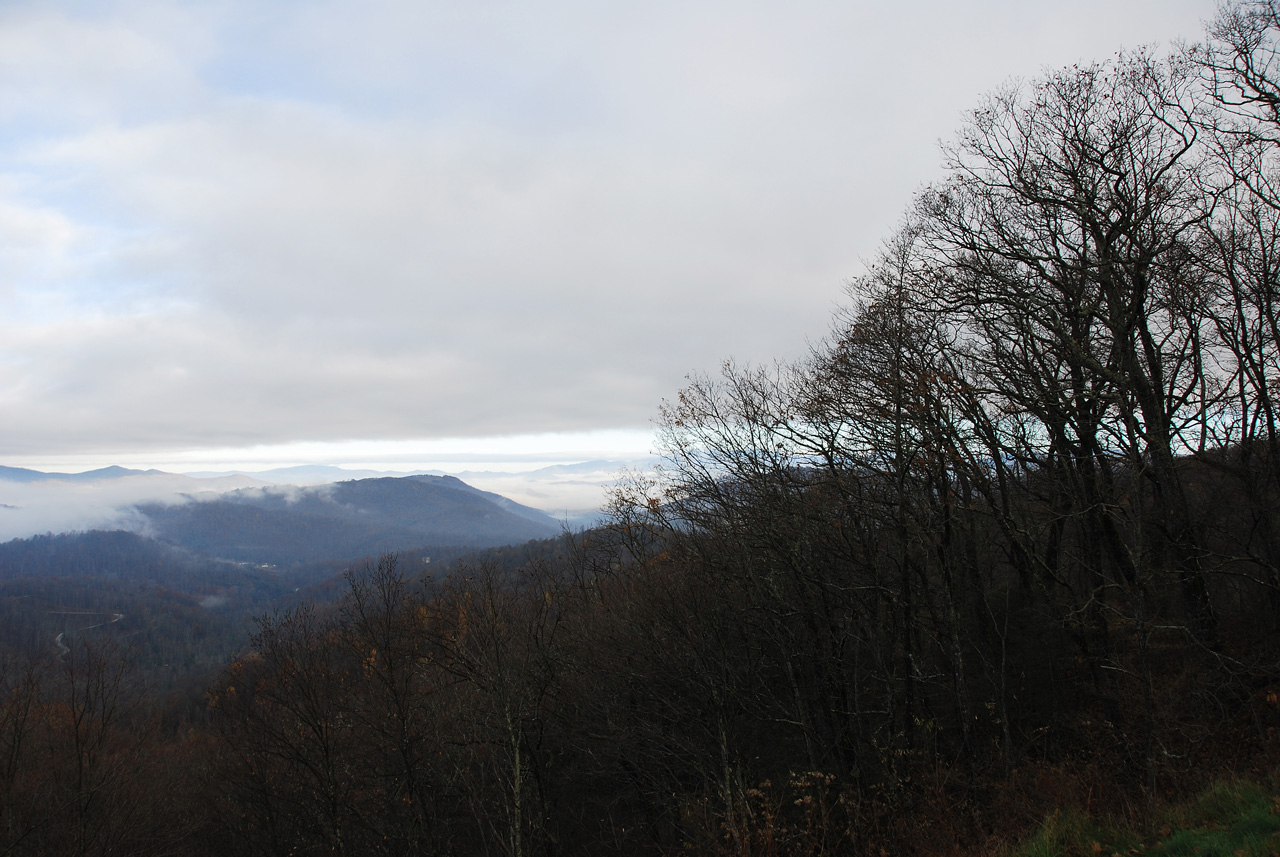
x: 345, y: 519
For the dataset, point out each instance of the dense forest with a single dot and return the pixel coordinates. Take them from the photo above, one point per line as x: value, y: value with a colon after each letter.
x: 1008, y: 539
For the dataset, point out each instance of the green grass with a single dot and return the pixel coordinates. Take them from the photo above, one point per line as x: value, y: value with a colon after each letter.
x: 1230, y: 819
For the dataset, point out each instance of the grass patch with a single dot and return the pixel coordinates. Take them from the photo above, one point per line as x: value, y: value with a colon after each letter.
x: 1230, y: 819
x: 1072, y: 833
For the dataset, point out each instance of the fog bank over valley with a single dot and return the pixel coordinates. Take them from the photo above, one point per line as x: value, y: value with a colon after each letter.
x: 32, y: 502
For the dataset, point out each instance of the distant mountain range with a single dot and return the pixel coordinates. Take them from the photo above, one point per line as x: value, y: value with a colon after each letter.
x: 310, y: 474
x: 22, y: 474
x: 33, y: 502
x: 278, y: 526
x: 181, y: 563
x: 345, y: 519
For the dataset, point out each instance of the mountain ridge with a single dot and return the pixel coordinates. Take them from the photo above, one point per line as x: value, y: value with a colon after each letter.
x: 352, y: 518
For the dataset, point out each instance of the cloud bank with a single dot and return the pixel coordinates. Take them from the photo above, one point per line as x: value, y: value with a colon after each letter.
x: 570, y: 493
x: 231, y: 224
x: 33, y: 508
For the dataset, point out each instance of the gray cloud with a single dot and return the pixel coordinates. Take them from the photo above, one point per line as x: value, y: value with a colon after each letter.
x: 232, y: 223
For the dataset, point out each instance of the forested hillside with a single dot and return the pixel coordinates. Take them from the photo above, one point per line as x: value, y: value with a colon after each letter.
x: 1008, y: 540
x: 345, y: 519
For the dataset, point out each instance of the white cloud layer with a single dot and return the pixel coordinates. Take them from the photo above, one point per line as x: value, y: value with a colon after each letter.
x: 31, y: 508
x: 233, y: 224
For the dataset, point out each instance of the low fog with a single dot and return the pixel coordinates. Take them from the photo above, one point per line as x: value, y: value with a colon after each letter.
x: 56, y: 506
x: 571, y: 493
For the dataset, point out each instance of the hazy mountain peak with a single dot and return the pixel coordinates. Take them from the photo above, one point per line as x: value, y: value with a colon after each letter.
x: 344, y: 519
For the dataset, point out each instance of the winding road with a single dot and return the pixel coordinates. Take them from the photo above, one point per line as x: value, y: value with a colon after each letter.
x: 63, y: 649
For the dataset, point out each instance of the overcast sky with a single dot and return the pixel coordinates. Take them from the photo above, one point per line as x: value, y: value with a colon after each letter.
x: 388, y: 231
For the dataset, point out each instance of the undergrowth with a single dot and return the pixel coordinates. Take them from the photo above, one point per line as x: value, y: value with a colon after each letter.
x: 1236, y: 818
